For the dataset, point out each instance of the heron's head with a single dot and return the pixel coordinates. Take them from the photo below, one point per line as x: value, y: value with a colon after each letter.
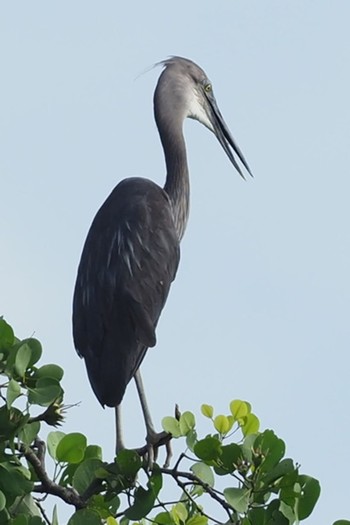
x: 184, y: 90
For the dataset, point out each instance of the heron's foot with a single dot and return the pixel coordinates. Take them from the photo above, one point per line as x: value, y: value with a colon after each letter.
x: 149, y: 451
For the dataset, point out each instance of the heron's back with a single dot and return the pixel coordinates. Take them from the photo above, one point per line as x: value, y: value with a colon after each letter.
x: 129, y: 260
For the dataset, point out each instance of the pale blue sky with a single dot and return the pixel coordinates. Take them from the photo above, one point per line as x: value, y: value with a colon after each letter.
x: 260, y: 307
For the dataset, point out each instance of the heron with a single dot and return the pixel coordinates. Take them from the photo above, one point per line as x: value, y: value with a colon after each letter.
x: 132, y: 250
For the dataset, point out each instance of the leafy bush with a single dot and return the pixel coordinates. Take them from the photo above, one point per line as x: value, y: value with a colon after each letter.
x: 242, y: 471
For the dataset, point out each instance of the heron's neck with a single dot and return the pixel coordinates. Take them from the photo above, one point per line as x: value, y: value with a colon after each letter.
x: 177, y: 183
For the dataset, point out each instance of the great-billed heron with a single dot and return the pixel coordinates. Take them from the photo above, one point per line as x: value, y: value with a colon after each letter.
x: 132, y: 250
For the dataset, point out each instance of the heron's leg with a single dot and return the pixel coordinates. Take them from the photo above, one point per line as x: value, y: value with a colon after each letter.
x: 119, y: 431
x: 154, y: 439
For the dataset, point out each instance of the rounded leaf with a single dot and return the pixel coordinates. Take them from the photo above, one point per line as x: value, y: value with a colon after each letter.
x: 238, y: 498
x: 171, y: 425
x: 187, y: 423
x: 251, y: 425
x: 208, y: 449
x: 239, y: 409
x: 29, y: 432
x: 53, y: 440
x: 71, y: 448
x: 22, y: 360
x: 129, y: 462
x: 35, y: 349
x: 46, y: 391
x: 86, y: 474
x: 53, y: 371
x: 204, y: 473
x: 222, y: 424
x: 207, y: 411
x: 310, y: 493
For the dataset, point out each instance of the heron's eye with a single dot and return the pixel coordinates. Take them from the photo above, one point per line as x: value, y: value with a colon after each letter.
x: 208, y: 88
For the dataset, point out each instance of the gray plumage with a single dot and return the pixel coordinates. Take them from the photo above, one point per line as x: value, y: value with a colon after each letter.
x: 131, y: 253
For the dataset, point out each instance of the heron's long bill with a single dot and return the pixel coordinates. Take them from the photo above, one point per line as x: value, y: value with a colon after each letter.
x: 225, y: 138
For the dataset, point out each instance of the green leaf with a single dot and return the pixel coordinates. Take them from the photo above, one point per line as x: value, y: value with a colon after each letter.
x: 257, y: 515
x: 171, y: 425
x: 231, y: 456
x: 2, y: 497
x: 129, y: 463
x: 310, y: 492
x: 197, y: 520
x: 35, y: 350
x: 204, y: 473
x: 7, y: 336
x: 53, y: 371
x: 53, y: 440
x: 222, y: 424
x: 93, y: 451
x: 208, y: 449
x: 46, y: 391
x: 179, y: 513
x: 29, y: 432
x: 207, y: 411
x: 86, y: 474
x: 144, y: 499
x: 251, y: 425
x: 271, y: 447
x: 22, y: 360
x: 13, y: 391
x: 239, y: 409
x: 342, y: 522
x: 55, y: 516
x: 238, y: 498
x: 191, y: 439
x: 71, y: 448
x: 187, y: 423
x: 85, y: 517
x: 26, y: 505
x: 164, y: 518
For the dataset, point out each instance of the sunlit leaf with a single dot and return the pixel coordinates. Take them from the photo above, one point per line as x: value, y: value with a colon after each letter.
x: 239, y: 409
x: 179, y: 513
x: 55, y: 516
x: 197, y: 520
x: 207, y: 411
x: 171, y: 425
x: 187, y: 423
x: 251, y: 424
x: 222, y: 424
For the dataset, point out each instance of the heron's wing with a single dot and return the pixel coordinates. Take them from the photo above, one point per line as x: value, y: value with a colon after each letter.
x: 129, y: 260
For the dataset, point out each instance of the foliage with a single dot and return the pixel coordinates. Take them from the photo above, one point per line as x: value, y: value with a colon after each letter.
x: 237, y: 471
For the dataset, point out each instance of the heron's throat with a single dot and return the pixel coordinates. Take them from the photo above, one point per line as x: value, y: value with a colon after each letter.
x: 177, y: 183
